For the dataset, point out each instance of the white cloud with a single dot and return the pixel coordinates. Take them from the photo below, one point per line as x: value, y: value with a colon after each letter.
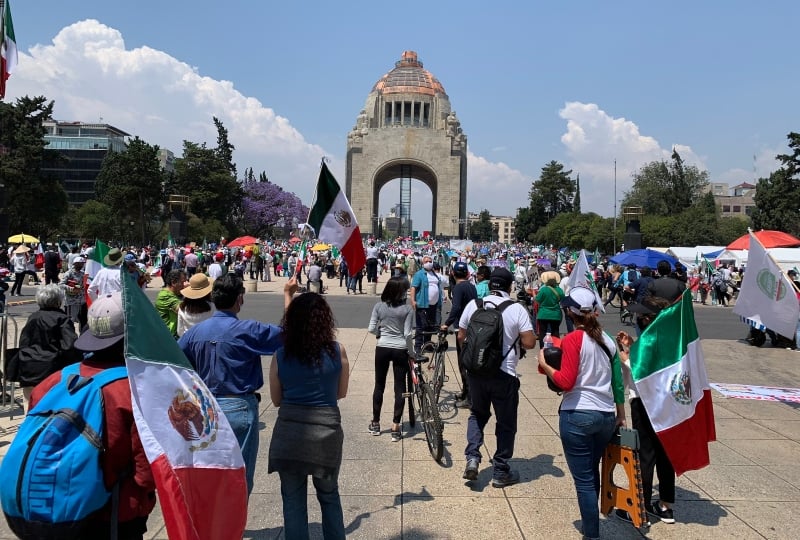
x: 90, y: 74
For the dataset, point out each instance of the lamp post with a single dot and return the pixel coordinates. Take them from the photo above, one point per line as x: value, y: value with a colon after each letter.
x: 131, y: 231
x: 463, y: 221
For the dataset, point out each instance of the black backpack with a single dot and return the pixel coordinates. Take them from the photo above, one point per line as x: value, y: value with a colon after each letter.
x: 632, y: 276
x: 483, y: 347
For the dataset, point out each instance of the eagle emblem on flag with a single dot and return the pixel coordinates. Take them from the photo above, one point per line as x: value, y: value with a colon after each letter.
x: 343, y: 218
x: 194, y: 417
x: 681, y: 388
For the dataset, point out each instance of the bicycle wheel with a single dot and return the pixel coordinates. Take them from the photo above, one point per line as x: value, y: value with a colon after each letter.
x: 431, y: 421
x: 437, y: 379
x: 412, y: 417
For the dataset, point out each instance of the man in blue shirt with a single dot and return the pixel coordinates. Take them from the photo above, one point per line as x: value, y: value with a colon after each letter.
x: 426, y: 297
x: 226, y: 352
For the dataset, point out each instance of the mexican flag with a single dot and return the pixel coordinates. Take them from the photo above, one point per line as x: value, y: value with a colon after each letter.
x: 8, y: 48
x: 670, y: 376
x: 94, y: 262
x: 334, y: 222
x: 192, y: 450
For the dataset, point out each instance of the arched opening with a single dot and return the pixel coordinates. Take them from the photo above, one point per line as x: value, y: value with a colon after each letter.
x: 404, y: 198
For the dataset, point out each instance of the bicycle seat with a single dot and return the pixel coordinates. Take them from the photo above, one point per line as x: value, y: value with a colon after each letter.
x: 421, y: 359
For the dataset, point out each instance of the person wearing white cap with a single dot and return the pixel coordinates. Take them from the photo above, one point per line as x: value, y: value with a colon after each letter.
x: 593, y: 403
x: 72, y: 283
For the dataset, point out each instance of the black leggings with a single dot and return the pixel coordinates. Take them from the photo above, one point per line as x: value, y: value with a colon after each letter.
x: 399, y: 360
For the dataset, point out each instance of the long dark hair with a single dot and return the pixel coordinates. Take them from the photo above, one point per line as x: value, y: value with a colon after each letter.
x: 394, y: 292
x: 196, y: 305
x: 309, y: 329
x: 589, y: 323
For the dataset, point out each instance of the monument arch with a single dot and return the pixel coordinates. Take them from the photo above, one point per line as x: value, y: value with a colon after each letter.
x: 406, y: 131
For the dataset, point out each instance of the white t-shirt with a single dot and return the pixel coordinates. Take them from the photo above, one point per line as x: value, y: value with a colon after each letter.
x: 515, y: 321
x: 107, y: 281
x: 433, y: 288
x: 214, y: 270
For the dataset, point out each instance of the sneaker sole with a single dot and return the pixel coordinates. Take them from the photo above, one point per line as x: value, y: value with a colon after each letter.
x: 669, y: 521
x: 470, y: 475
x: 500, y: 485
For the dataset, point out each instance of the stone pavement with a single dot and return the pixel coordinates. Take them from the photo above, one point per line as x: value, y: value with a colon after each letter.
x: 396, y: 491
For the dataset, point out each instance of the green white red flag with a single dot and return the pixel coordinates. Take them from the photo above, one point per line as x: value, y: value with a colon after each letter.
x: 94, y: 263
x: 192, y: 450
x: 334, y: 222
x: 582, y: 276
x: 8, y: 48
x: 669, y: 372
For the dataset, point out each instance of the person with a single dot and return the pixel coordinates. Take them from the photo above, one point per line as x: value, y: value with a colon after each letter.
x: 720, y: 288
x: 314, y: 274
x: 124, y: 458
x: 217, y: 269
x: 356, y: 279
x: 168, y: 300
x: 107, y: 280
x: 226, y: 352
x: 343, y: 276
x: 307, y: 377
x: 482, y: 281
x: 426, y: 297
x: 372, y: 262
x: 549, y: 297
x: 392, y: 322
x: 500, y: 390
x: 652, y: 456
x: 640, y: 287
x: 666, y: 286
x: 613, y: 284
x: 166, y: 266
x: 292, y: 264
x: 196, y: 305
x: 190, y: 262
x: 19, y: 264
x: 52, y: 265
x: 45, y: 342
x: 625, y: 280
x: 463, y: 293
x: 593, y: 403
x: 267, y: 264
x: 72, y: 283
x: 136, y: 270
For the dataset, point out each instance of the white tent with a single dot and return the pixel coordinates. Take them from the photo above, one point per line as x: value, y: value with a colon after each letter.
x: 688, y: 255
x: 786, y: 258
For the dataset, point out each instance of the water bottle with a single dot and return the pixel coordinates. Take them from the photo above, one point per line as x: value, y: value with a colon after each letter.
x: 548, y: 340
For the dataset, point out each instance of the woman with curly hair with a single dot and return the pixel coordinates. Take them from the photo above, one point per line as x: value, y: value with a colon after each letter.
x: 392, y: 321
x: 306, y: 378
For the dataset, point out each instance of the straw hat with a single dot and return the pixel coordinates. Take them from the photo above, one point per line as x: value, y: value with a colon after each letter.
x: 22, y: 249
x: 199, y: 286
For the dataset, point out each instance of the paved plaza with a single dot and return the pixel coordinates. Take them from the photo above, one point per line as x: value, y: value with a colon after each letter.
x: 396, y: 490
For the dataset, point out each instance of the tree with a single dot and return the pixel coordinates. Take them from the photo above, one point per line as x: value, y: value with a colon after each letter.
x: 36, y: 202
x: 524, y: 225
x: 554, y: 191
x: 777, y: 200
x: 266, y: 204
x: 131, y: 185
x: 481, y: 230
x: 224, y: 150
x: 576, y: 202
x: 93, y: 220
x: 664, y: 189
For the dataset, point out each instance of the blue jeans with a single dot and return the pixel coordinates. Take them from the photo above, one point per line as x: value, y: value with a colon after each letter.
x: 584, y: 436
x: 501, y: 392
x: 294, y: 487
x: 242, y: 415
x: 425, y: 321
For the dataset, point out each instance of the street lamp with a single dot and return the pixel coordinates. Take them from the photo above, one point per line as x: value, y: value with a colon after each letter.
x: 131, y: 232
x: 463, y: 221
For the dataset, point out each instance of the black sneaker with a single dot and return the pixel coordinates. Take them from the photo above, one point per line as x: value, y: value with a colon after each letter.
x: 463, y: 403
x: 623, y: 515
x: 661, y: 512
x: 374, y: 428
x: 508, y: 479
x: 471, y: 471
x: 396, y: 435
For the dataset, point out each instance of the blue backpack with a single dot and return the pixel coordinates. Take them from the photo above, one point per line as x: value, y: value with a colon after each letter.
x: 52, y: 475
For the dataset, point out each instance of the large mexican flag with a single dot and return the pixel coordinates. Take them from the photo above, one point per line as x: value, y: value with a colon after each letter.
x: 670, y: 375
x: 193, y: 452
x: 334, y: 222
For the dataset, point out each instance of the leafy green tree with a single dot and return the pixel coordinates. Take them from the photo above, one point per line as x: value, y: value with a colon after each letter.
x: 36, y: 202
x: 777, y: 200
x: 131, y: 184
x: 524, y: 225
x: 664, y: 189
x: 577, y: 231
x: 224, y: 148
x: 576, y: 202
x: 552, y: 194
x: 481, y: 230
x: 95, y: 219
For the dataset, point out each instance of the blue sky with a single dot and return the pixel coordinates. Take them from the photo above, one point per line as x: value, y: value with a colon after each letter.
x: 582, y: 83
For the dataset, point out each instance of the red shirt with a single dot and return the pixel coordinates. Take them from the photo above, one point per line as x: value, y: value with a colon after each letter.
x: 124, y: 450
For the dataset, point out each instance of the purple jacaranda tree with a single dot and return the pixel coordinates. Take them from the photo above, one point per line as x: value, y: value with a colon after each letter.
x: 266, y: 205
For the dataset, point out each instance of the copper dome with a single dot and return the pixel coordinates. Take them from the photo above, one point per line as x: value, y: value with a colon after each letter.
x: 409, y: 77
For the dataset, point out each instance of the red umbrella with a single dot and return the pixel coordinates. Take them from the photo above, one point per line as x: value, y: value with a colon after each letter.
x: 770, y: 239
x: 243, y: 241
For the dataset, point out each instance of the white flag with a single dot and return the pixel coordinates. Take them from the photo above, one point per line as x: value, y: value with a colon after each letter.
x: 582, y: 276
x: 767, y: 296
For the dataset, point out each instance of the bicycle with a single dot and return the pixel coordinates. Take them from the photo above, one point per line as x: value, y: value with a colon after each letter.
x: 426, y: 404
x: 435, y: 352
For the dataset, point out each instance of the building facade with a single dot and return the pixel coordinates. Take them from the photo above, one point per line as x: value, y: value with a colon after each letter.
x: 82, y: 148
x: 737, y: 201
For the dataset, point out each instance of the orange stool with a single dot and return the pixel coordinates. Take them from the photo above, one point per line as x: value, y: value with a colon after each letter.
x: 623, y: 450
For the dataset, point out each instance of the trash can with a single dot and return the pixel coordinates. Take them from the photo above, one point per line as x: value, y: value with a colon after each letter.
x: 251, y: 286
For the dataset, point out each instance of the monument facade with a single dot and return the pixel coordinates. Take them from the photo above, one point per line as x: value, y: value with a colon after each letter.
x: 405, y: 131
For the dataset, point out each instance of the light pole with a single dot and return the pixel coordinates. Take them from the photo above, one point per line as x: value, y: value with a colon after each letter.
x: 463, y: 221
x: 131, y: 232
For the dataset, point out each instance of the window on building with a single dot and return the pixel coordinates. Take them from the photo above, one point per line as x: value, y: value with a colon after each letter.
x: 417, y: 113
x: 426, y: 111
x: 748, y: 210
x: 726, y: 208
x: 406, y: 113
x: 737, y: 209
x: 387, y: 114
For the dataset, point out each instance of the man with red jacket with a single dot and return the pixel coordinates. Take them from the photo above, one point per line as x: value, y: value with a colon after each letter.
x: 124, y: 456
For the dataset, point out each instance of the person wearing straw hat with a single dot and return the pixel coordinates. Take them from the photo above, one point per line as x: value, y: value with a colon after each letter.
x: 107, y: 280
x: 19, y: 263
x: 196, y: 305
x: 169, y: 299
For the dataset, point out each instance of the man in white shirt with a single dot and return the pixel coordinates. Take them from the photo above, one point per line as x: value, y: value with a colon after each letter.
x: 372, y: 262
x: 499, y: 390
x: 107, y: 281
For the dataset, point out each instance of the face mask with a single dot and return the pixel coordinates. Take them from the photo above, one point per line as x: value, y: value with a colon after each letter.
x: 428, y: 266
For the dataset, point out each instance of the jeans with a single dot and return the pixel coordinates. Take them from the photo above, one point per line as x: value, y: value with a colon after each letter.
x: 584, y: 436
x: 242, y: 415
x: 425, y: 321
x: 294, y: 487
x: 652, y: 456
x: 501, y: 392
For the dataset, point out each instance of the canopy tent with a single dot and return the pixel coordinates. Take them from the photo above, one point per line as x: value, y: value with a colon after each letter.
x: 688, y: 256
x: 642, y: 257
x: 243, y: 241
x: 769, y: 239
x: 786, y: 258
